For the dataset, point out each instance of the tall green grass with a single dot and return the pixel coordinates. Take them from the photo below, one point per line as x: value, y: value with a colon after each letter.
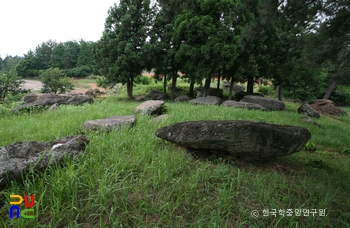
x: 130, y: 178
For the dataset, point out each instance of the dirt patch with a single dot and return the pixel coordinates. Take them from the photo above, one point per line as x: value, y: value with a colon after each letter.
x: 37, y: 85
x: 326, y: 107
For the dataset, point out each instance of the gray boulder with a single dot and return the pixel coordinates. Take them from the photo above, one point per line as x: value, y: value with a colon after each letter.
x: 237, y: 89
x: 53, y: 107
x: 245, y: 140
x: 267, y: 103
x: 157, y: 95
x: 48, y: 99
x: 140, y: 97
x: 160, y: 118
x: 209, y: 100
x: 235, y: 104
x: 79, y: 100
x: 308, y: 110
x: 212, y: 92
x: 30, y: 98
x: 150, y: 107
x: 108, y: 123
x: 182, y: 98
x: 21, y: 156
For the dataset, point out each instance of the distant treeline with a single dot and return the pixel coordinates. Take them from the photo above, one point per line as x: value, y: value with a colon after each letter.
x: 75, y: 58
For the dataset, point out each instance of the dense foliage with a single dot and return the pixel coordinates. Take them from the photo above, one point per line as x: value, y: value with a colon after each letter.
x: 302, y: 47
x: 55, y: 81
x: 236, y: 40
x: 9, y: 81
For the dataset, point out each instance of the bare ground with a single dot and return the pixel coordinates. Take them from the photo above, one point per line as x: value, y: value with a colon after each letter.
x: 36, y: 85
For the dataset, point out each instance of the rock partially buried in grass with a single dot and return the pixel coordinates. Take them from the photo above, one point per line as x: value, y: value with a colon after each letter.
x: 42, y: 100
x: 21, y: 156
x: 308, y: 110
x: 267, y: 103
x: 209, y: 100
x: 236, y: 104
x: 245, y: 140
x: 108, y: 123
x: 182, y: 98
x: 151, y: 107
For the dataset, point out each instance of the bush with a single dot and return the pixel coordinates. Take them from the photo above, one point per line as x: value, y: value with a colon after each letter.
x: 9, y: 84
x: 265, y: 90
x: 54, y: 81
x: 143, y: 80
x: 341, y: 96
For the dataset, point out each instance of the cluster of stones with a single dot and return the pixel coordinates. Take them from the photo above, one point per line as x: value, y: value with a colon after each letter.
x: 52, y: 101
x: 244, y: 140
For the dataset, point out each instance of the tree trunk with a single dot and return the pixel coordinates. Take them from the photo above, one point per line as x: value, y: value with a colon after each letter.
x: 173, y: 85
x: 330, y: 90
x: 218, y: 86
x: 279, y: 92
x: 192, y: 88
x: 164, y: 84
x: 276, y: 91
x: 205, y: 91
x: 250, y: 86
x: 129, y: 88
x: 231, y: 89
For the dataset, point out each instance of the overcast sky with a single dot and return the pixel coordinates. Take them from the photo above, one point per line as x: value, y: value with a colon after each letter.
x: 24, y: 24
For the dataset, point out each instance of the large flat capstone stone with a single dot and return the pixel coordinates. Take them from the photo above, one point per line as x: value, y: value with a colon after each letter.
x: 48, y: 99
x: 267, y: 103
x: 108, y: 123
x: 151, y: 107
x: 208, y: 100
x: 236, y: 104
x: 20, y: 156
x: 241, y: 139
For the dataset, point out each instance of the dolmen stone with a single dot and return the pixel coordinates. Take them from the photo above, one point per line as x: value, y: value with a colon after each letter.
x: 108, y: 123
x: 308, y: 110
x: 151, y: 107
x: 211, y: 92
x: 157, y: 95
x: 208, y: 100
x: 160, y: 118
x: 236, y: 104
x: 182, y: 98
x: 245, y: 140
x: 53, y: 107
x: 23, y: 156
x: 267, y: 103
x: 326, y: 107
x: 48, y: 99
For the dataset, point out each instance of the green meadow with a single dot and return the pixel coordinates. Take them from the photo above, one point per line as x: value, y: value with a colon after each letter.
x: 130, y: 178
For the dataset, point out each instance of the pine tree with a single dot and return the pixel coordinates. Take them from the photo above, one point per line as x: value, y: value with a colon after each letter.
x: 121, y: 51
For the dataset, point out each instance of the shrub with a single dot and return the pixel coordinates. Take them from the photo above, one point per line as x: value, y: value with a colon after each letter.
x: 54, y: 81
x: 143, y: 80
x: 9, y: 84
x: 265, y: 90
x: 341, y: 95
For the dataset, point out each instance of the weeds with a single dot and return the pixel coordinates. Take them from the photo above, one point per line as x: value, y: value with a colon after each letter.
x: 130, y: 178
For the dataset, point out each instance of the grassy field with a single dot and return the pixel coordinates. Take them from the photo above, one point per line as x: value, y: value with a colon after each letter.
x: 130, y: 178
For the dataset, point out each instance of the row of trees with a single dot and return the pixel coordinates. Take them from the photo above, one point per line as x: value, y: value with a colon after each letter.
x: 298, y: 44
x: 75, y: 58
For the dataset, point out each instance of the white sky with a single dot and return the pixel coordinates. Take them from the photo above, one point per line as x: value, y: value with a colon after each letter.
x: 25, y: 24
